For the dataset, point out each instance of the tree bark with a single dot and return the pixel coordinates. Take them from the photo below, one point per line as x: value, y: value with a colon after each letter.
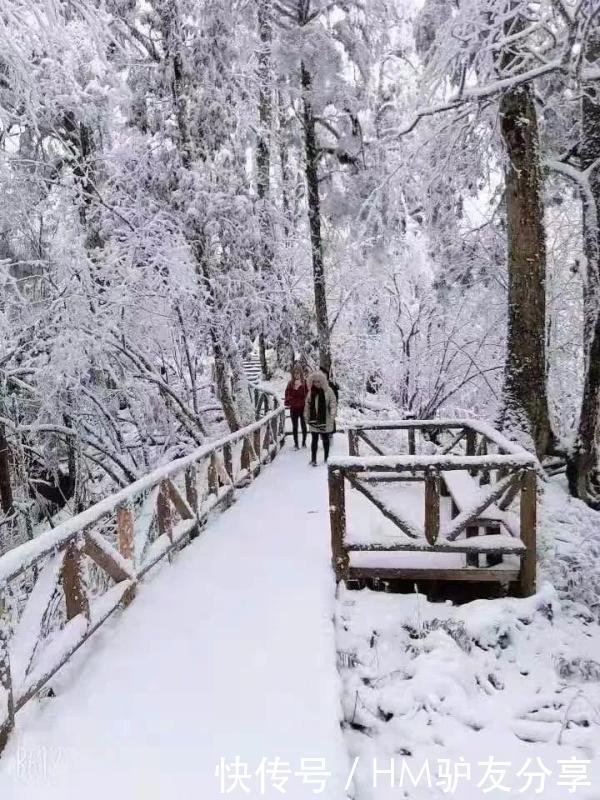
x: 314, y: 218
x: 6, y: 495
x: 525, y: 398
x: 583, y: 467
x: 263, y: 153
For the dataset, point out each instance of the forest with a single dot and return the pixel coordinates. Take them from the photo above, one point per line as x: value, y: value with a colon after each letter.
x: 404, y: 191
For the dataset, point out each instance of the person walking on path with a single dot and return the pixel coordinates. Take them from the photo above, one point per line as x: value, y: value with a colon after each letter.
x: 295, y: 397
x: 320, y: 409
x: 336, y: 390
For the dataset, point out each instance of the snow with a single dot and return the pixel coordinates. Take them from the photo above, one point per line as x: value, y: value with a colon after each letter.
x: 22, y: 644
x: 480, y: 426
x: 27, y: 554
x: 437, y: 462
x: 229, y: 651
x: 62, y: 645
x: 111, y: 553
x: 433, y: 684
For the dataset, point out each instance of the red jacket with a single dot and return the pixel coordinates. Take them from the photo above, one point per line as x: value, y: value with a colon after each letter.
x: 295, y: 398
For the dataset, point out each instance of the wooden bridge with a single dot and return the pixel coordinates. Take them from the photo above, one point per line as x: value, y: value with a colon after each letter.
x: 478, y: 497
x: 86, y: 568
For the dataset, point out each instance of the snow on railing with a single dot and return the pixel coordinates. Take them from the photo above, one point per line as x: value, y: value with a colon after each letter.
x: 69, y: 580
x: 481, y: 472
x: 467, y: 429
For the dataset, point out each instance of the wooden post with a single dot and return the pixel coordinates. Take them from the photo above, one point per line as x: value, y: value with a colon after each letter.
x: 8, y: 723
x: 245, y: 457
x: 432, y: 508
x: 256, y: 404
x: 191, y: 495
x: 527, y: 577
x: 282, y: 428
x: 471, y: 445
x: 257, y: 448
x: 163, y: 512
x: 274, y: 439
x: 472, y: 559
x: 493, y: 559
x: 125, y: 531
x: 484, y: 475
x: 125, y: 544
x: 213, y: 476
x: 471, y: 442
x: 337, y: 517
x: 411, y: 442
x: 73, y: 582
x: 228, y: 460
x: 352, y: 443
x: 267, y: 442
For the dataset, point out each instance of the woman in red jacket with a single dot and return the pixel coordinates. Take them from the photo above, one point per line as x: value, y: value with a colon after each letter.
x: 295, y: 397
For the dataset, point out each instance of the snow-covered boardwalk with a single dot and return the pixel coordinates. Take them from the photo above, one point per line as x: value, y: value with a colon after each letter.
x: 228, y: 652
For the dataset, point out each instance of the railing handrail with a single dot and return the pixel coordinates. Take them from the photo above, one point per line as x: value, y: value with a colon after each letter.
x: 516, y: 474
x: 14, y: 561
x: 175, y: 513
x: 433, y: 462
x: 450, y: 423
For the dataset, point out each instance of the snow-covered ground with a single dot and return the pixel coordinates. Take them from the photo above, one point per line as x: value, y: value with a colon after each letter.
x: 220, y: 680
x: 227, y: 653
x: 490, y: 699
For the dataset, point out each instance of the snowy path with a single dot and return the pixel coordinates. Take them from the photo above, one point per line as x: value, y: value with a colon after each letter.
x: 228, y: 652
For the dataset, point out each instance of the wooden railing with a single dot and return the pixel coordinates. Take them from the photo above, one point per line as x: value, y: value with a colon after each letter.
x: 58, y: 589
x: 489, y: 483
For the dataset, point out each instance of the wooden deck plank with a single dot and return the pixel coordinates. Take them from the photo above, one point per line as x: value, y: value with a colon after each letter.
x: 494, y: 543
x: 472, y: 574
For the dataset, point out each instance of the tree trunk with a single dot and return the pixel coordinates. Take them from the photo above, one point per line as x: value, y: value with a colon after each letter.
x: 221, y: 374
x: 314, y: 219
x: 263, y: 153
x: 6, y: 495
x: 525, y: 399
x: 583, y: 467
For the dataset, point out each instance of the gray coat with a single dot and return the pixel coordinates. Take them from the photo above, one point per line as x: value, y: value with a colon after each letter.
x: 331, y: 406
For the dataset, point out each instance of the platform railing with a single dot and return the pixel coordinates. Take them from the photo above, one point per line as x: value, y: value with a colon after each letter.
x: 59, y: 588
x: 489, y: 481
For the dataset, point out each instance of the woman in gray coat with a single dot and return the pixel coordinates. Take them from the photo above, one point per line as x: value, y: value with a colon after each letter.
x: 320, y: 409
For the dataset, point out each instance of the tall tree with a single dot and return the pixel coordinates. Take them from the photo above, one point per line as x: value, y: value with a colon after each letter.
x: 584, y: 460
x: 525, y: 387
x: 263, y: 151
x: 311, y: 165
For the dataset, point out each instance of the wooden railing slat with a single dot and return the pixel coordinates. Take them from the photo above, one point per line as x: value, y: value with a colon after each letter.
x: 362, y: 435
x: 107, y: 557
x: 517, y: 470
x: 73, y: 580
x: 337, y: 513
x: 163, y: 512
x: 527, y: 579
x: 27, y: 633
x: 125, y: 541
x: 404, y: 525
x: 432, y: 508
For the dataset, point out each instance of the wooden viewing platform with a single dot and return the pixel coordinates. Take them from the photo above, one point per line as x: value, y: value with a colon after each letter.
x: 478, y: 500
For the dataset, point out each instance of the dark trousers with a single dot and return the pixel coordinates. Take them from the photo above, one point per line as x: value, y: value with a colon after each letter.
x: 314, y: 444
x: 295, y: 416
